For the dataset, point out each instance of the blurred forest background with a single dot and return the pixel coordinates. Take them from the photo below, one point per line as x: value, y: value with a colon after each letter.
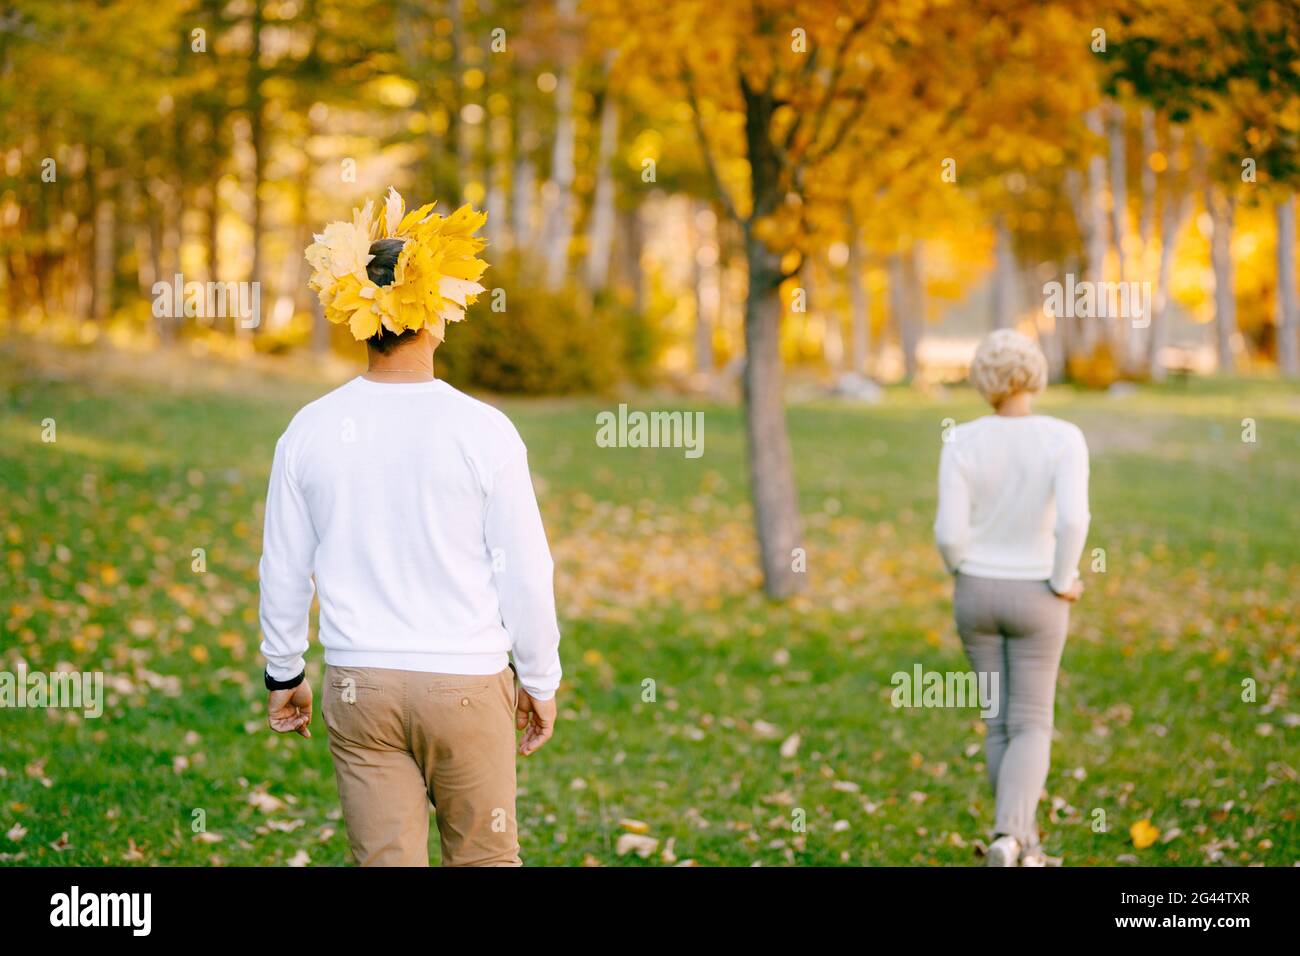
x: 701, y: 193
x: 892, y: 177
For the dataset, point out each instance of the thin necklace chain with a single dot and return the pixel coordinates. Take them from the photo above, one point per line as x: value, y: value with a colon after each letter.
x: 383, y: 370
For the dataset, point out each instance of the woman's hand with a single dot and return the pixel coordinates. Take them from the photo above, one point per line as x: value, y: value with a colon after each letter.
x: 1072, y: 593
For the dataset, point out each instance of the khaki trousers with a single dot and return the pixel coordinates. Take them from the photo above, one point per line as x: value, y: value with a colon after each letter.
x: 404, y: 739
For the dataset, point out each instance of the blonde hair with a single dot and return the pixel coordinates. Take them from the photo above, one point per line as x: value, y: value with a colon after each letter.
x: 1006, y: 363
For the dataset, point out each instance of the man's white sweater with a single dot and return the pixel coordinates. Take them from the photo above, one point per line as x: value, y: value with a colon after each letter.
x: 412, y: 507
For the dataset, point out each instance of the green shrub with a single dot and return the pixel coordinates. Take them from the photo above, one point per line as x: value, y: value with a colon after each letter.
x: 543, y: 342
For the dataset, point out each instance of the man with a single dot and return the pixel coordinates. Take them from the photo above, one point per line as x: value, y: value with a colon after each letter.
x: 411, y: 505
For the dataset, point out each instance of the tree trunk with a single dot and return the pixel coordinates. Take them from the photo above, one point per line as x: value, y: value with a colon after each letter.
x: 166, y: 323
x: 498, y: 165
x: 1121, y: 326
x: 212, y: 229
x: 1148, y: 181
x: 906, y: 299
x: 1054, y: 341
x: 1288, y: 349
x: 81, y: 249
x: 727, y: 317
x: 1094, y: 220
x: 820, y: 304
x: 465, y: 135
x: 897, y: 298
x: 1170, y: 222
x: 257, y: 141
x: 912, y: 266
x: 771, y: 466
x: 629, y: 244
x: 320, y: 328
x: 558, y: 199
x: 105, y: 255
x: 1118, y: 185
x: 1222, y: 208
x: 524, y: 202
x: 601, y: 238
x: 703, y: 277
x: 1136, y: 358
x: 1004, y: 278
x: 859, y: 304
x: 1068, y: 328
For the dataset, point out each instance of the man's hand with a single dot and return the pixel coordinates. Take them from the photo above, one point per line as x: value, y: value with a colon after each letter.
x: 536, y: 718
x: 289, y: 711
x: 1072, y: 593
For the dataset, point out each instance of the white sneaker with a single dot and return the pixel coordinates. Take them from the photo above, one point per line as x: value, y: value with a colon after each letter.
x: 1004, y: 851
x: 1033, y: 856
x: 1036, y: 856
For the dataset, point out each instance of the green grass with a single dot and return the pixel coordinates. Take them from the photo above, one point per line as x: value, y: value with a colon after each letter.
x: 656, y: 581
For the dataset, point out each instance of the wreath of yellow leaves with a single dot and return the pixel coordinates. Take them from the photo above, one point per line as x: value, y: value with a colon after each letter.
x: 436, y: 276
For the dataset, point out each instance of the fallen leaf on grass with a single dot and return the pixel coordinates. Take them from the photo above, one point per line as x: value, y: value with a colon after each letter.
x: 668, y: 856
x: 1143, y: 834
x: 642, y: 846
x: 265, y: 801
x: 286, y: 826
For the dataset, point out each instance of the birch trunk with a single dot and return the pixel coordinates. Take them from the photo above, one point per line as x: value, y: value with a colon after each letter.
x: 916, y: 309
x: 859, y: 304
x: 558, y: 194
x: 1094, y: 217
x: 1170, y: 223
x: 1121, y: 326
x: 1288, y: 349
x: 703, y: 282
x: 1148, y: 180
x: 1222, y: 208
x: 1003, y: 299
x: 601, y: 237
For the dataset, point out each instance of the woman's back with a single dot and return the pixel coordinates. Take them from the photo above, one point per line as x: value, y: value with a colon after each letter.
x: 1013, y: 498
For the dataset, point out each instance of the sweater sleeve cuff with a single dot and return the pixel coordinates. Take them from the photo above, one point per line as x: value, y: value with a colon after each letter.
x: 284, y: 684
x: 1059, y: 586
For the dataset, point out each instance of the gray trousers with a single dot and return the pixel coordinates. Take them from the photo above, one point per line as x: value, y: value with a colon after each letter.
x: 1015, y: 629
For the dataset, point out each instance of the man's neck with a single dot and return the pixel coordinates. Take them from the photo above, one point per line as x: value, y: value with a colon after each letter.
x: 410, y: 363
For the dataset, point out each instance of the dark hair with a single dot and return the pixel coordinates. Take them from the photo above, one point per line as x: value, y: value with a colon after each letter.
x: 381, y: 271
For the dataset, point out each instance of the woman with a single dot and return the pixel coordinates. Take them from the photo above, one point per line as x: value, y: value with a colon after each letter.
x: 1013, y: 517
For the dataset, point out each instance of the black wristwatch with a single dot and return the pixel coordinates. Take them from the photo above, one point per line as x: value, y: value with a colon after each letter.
x: 273, y: 684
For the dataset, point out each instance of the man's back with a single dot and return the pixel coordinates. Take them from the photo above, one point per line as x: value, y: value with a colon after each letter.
x: 412, y: 506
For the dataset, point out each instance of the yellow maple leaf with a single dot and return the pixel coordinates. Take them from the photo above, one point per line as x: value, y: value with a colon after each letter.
x: 1143, y: 834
